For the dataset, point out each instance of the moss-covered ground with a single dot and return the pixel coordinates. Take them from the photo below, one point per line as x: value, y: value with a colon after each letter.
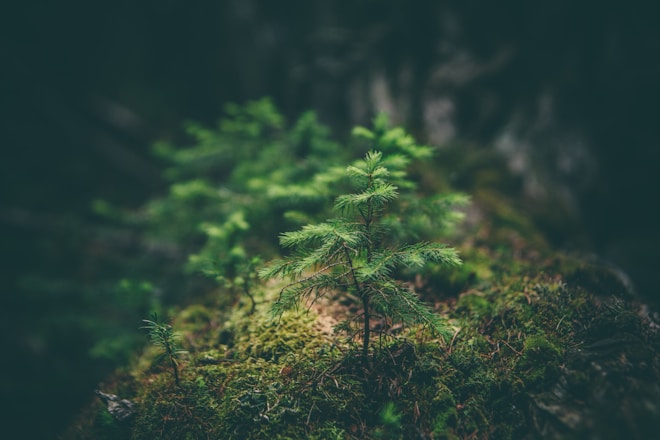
x: 544, y: 346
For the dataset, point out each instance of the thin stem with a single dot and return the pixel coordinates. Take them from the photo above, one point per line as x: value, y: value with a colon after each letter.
x: 246, y: 289
x: 368, y: 220
x: 365, y: 304
x: 175, y: 369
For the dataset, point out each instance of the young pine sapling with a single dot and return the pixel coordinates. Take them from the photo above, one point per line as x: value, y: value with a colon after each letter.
x: 163, y: 336
x: 351, y: 253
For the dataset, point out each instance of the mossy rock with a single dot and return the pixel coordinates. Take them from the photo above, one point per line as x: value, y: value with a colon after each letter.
x: 545, y: 346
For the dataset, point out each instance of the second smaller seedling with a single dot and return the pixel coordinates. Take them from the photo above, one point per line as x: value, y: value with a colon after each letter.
x: 162, y: 335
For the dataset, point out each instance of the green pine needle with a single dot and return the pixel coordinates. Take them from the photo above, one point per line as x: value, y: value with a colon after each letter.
x: 353, y: 252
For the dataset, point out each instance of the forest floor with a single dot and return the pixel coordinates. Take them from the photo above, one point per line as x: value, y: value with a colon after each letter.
x: 543, y: 345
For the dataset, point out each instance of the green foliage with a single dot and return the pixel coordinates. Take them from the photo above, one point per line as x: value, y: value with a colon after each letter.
x: 515, y: 322
x: 254, y: 166
x: 427, y: 216
x: 230, y: 193
x: 231, y: 179
x: 162, y: 335
x: 210, y: 220
x: 352, y: 253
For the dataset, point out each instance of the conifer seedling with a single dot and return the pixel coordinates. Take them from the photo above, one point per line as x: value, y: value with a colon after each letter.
x: 351, y: 253
x: 162, y: 335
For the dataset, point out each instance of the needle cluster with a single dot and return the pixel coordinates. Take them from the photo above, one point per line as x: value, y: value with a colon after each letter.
x: 351, y: 253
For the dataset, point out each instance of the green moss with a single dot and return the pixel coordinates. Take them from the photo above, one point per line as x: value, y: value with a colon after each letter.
x: 176, y: 413
x: 475, y: 306
x: 252, y: 377
x: 195, y: 314
x: 444, y: 412
x: 273, y: 339
x: 540, y: 362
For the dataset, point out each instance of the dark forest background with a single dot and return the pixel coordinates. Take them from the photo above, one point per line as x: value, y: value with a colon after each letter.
x: 566, y: 90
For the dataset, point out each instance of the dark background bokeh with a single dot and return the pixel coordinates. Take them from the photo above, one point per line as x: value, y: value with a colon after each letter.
x: 567, y: 90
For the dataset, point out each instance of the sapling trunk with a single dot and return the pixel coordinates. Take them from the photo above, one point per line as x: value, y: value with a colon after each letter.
x: 367, y: 326
x: 365, y: 305
x: 174, y: 365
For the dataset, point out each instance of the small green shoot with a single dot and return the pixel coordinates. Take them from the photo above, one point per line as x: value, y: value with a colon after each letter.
x: 162, y: 335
